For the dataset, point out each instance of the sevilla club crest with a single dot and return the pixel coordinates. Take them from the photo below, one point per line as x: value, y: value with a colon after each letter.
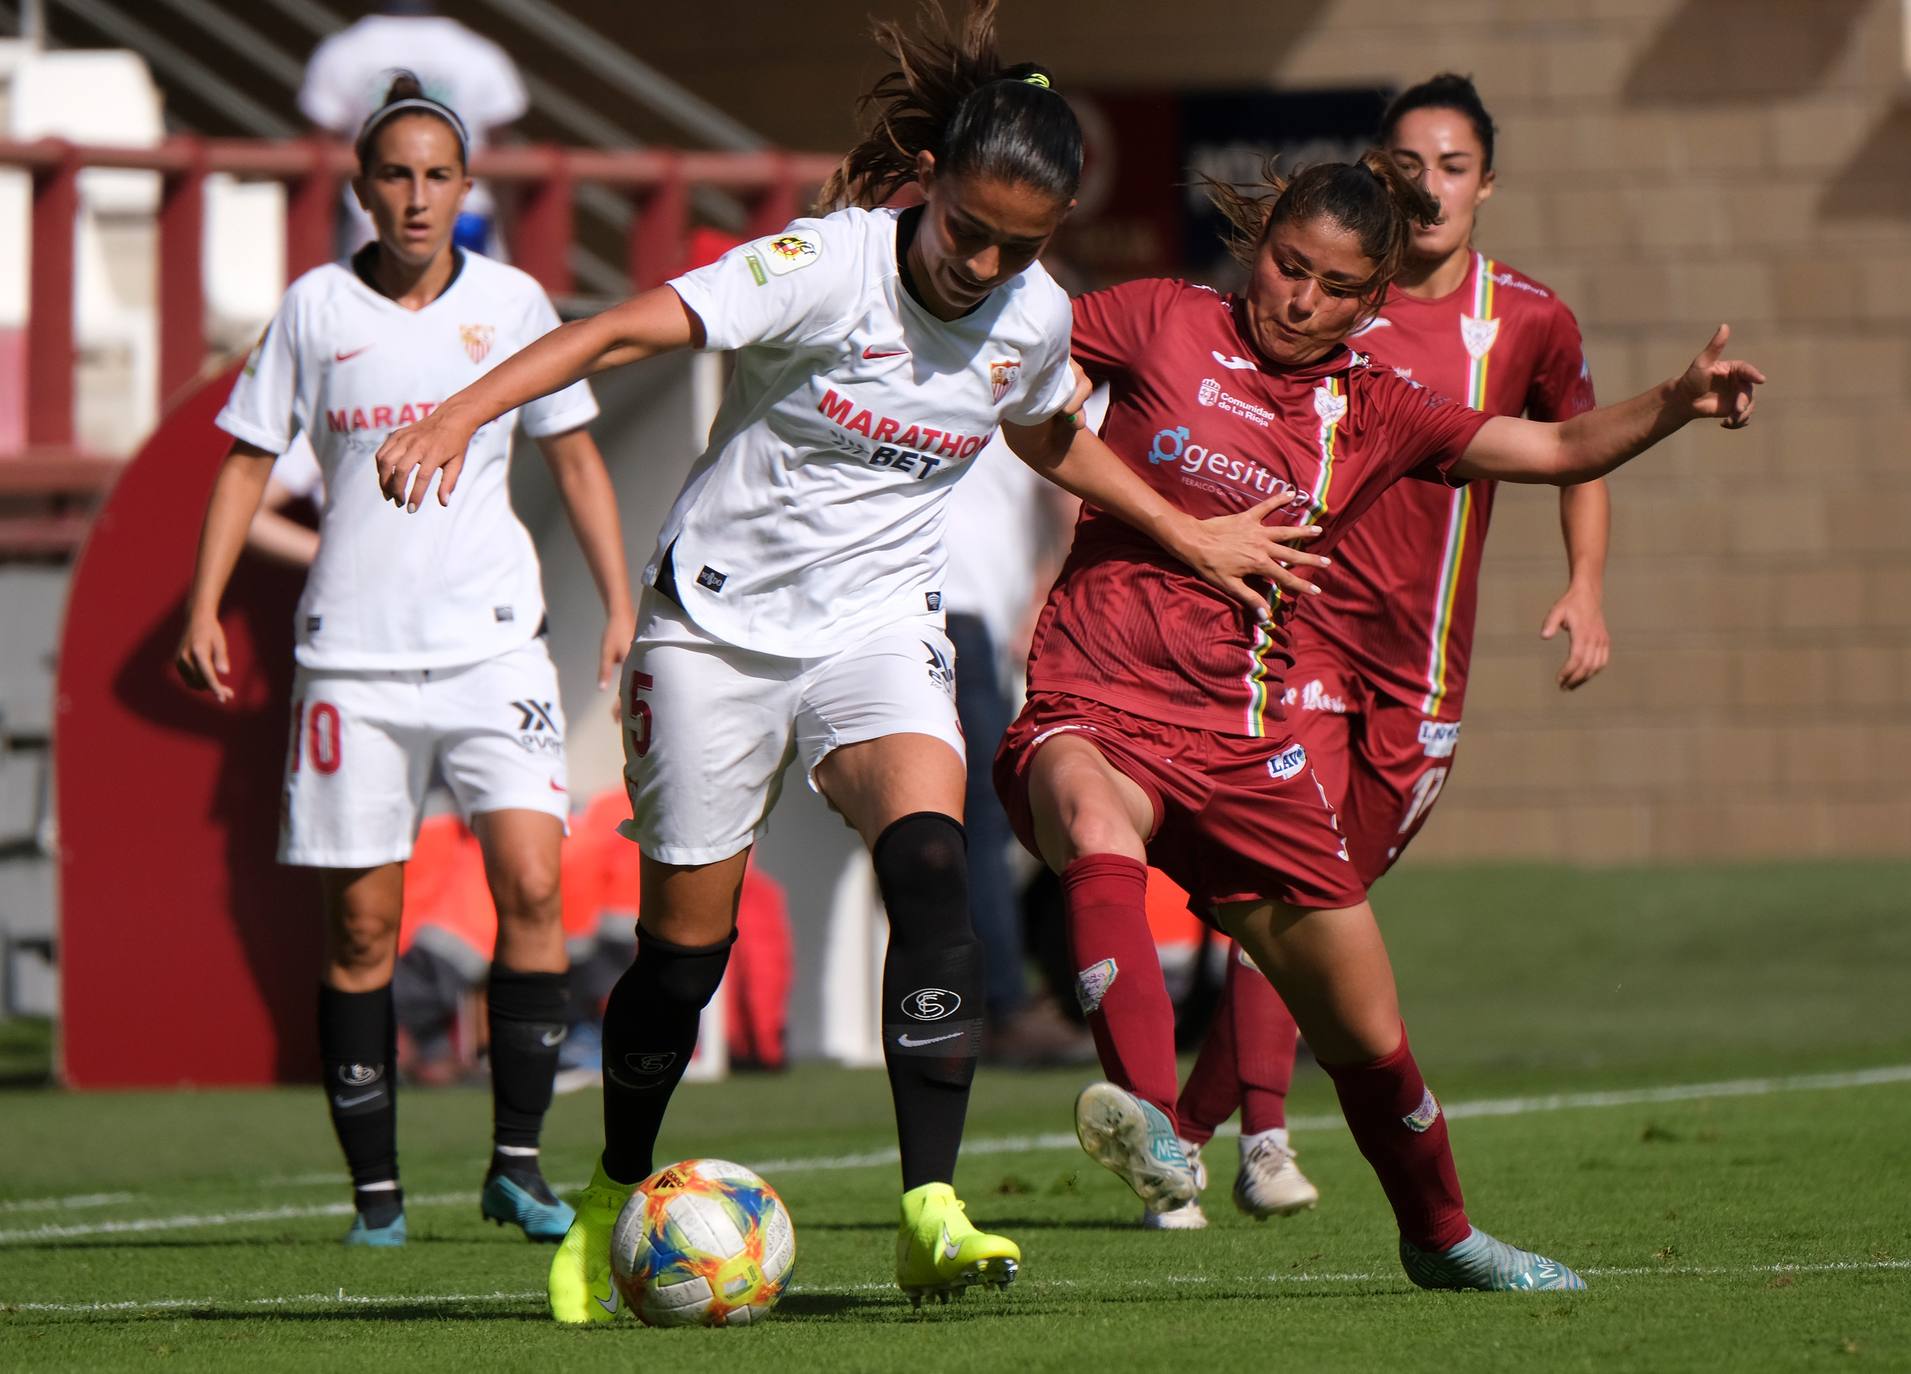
x: 1002, y: 376
x: 1478, y: 335
x: 477, y: 340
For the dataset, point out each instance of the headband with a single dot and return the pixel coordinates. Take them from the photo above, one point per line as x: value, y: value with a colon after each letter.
x: 416, y: 104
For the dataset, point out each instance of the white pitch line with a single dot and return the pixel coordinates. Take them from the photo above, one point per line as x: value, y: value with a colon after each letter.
x: 343, y: 1299
x: 1487, y: 1107
x: 1054, y: 1140
x: 62, y: 1204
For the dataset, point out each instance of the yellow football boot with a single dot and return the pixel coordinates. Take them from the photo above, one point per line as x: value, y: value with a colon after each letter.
x: 580, y: 1285
x: 939, y: 1252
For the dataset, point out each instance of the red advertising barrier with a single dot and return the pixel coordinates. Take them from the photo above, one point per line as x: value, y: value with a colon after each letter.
x: 187, y: 955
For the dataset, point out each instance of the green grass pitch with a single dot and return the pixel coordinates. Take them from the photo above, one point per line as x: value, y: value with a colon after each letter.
x: 1690, y: 1084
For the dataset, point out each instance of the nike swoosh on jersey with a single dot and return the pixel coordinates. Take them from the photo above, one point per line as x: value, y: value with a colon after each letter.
x: 871, y: 353
x: 909, y: 1044
x: 347, y: 357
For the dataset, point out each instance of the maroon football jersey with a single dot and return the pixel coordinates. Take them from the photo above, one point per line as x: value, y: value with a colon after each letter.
x: 1399, y: 603
x: 1215, y: 430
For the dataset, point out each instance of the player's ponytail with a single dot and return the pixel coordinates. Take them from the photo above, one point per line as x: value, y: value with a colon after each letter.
x: 406, y: 95
x: 950, y: 95
x: 1372, y: 199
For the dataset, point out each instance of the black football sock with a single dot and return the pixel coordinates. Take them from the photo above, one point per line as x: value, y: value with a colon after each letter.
x: 528, y: 1014
x: 358, y: 1045
x: 650, y: 1032
x: 932, y: 990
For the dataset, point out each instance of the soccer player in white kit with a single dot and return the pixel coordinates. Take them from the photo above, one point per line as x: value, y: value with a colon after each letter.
x: 794, y: 606
x: 420, y: 644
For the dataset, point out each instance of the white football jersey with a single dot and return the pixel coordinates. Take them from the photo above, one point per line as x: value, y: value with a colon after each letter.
x: 346, y: 366
x: 815, y: 516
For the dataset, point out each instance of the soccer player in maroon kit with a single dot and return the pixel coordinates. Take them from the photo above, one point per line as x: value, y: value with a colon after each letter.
x: 1380, y: 659
x: 1154, y: 729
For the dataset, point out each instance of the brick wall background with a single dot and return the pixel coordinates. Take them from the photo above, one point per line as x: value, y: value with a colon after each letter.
x: 1665, y: 164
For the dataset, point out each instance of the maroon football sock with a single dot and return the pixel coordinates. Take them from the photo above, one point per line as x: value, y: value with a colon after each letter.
x: 1265, y: 1039
x: 1118, y: 978
x: 1401, y: 1130
x: 1213, y: 1089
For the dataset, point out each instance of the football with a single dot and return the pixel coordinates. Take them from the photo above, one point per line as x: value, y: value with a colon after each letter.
x: 702, y: 1243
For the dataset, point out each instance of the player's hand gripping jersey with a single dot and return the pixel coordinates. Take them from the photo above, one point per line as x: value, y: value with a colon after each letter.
x: 1398, y: 606
x: 815, y: 515
x: 345, y: 365
x: 1194, y: 411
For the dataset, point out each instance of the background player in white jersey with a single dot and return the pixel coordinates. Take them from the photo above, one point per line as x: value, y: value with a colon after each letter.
x: 420, y: 644
x: 795, y: 603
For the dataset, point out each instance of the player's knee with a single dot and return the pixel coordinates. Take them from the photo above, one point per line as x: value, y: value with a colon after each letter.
x: 922, y: 871
x: 362, y: 939
x: 676, y: 975
x: 527, y: 891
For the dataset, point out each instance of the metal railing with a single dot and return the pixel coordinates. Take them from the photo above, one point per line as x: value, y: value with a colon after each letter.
x: 542, y: 179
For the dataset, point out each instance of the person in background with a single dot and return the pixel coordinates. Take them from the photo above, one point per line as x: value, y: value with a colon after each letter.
x: 1002, y: 518
x: 346, y: 77
x: 1380, y: 661
x: 420, y: 645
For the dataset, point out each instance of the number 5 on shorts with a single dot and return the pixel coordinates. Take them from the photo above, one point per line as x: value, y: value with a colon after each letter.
x: 639, y: 716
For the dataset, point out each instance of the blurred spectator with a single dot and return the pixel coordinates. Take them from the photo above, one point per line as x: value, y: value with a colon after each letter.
x: 449, y: 925
x: 348, y: 74
x: 1003, y: 521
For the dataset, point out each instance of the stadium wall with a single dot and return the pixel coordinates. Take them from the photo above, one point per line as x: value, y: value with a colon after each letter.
x: 1665, y: 164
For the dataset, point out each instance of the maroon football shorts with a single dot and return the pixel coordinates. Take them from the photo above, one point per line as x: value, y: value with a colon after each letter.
x: 1236, y: 819
x: 1382, y: 761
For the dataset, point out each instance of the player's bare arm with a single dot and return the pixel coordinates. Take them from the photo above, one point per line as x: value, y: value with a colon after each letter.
x: 1595, y: 442
x: 236, y: 493
x: 655, y: 322
x: 590, y: 504
x: 278, y: 537
x: 1223, y: 551
x: 1585, y: 520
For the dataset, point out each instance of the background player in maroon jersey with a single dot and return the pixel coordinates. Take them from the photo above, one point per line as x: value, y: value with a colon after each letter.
x: 1380, y: 659
x: 1154, y: 729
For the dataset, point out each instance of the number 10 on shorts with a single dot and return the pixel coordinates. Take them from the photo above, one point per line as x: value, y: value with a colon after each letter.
x: 316, y: 732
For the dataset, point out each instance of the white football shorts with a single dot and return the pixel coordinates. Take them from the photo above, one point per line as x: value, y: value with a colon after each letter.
x: 364, y: 745
x: 710, y: 728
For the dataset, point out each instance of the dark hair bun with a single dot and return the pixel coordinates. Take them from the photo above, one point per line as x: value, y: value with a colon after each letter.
x: 405, y: 85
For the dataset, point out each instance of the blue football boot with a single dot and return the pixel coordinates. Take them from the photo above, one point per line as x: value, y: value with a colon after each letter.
x: 1488, y: 1265
x: 388, y: 1236
x: 1135, y: 1141
x: 520, y: 1197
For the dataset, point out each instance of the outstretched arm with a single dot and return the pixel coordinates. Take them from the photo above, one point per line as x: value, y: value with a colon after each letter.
x: 1224, y: 552
x: 584, y: 486
x: 656, y: 322
x: 1595, y: 442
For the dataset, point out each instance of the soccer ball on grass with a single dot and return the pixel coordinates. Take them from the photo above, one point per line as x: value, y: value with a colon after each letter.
x: 702, y: 1243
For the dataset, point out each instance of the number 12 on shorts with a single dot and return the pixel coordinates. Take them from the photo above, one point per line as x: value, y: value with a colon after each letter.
x: 1426, y: 791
